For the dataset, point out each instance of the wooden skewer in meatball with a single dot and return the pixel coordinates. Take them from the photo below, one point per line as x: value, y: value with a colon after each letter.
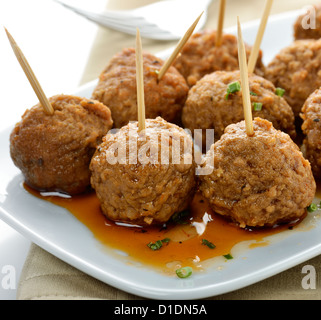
x: 201, y: 56
x: 151, y: 190
x: 134, y: 171
x: 259, y: 179
x: 209, y: 51
x: 54, y: 151
x: 54, y: 141
x: 117, y: 89
x: 165, y: 88
x: 216, y: 101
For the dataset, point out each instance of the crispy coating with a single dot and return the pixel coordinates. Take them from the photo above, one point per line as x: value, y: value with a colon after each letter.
x: 200, y: 56
x: 258, y: 181
x: 296, y: 69
x: 149, y: 190
x: 311, y: 127
x: 54, y: 151
x: 208, y: 107
x: 117, y: 89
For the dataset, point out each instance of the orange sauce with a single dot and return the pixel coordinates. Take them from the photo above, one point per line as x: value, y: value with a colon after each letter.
x: 185, y: 245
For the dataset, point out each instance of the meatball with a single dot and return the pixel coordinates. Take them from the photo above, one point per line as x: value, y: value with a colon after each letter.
x: 200, y: 56
x: 209, y: 107
x: 297, y: 70
x: 311, y: 127
x: 146, y: 191
x: 117, y: 89
x: 301, y: 32
x: 257, y: 181
x: 54, y: 151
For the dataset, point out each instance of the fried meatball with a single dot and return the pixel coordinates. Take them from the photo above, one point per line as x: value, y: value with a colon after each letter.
x: 209, y: 107
x: 297, y: 70
x: 257, y: 181
x: 117, y: 89
x: 301, y: 32
x: 151, y: 189
x: 311, y: 127
x: 200, y: 56
x: 54, y: 151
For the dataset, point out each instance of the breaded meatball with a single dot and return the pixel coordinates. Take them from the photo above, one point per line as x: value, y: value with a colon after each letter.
x: 200, y: 56
x: 54, y: 151
x: 311, y: 127
x: 258, y: 181
x: 297, y: 70
x: 209, y: 107
x: 303, y: 21
x: 155, y: 186
x: 117, y: 89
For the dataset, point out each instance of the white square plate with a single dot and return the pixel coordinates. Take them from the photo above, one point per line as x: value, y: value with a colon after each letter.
x: 60, y: 233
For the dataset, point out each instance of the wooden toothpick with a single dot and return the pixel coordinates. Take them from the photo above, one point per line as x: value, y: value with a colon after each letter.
x: 30, y: 75
x: 219, y: 30
x: 245, y: 82
x: 178, y: 48
x: 140, y: 82
x: 256, y: 48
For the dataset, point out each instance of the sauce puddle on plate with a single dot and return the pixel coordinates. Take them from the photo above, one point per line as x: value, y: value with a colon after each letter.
x: 201, y: 235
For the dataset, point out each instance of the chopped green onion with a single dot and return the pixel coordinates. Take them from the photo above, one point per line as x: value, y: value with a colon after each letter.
x: 312, y: 207
x: 232, y: 88
x: 279, y: 92
x: 184, y: 272
x: 228, y: 256
x: 253, y: 93
x: 158, y: 244
x: 257, y: 106
x: 208, y: 243
x: 157, y: 71
x: 155, y: 246
x: 179, y: 217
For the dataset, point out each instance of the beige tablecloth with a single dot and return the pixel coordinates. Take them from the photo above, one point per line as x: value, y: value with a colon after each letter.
x: 46, y: 277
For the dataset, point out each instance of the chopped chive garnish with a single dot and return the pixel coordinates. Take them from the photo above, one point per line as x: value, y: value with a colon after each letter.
x: 232, y: 88
x: 155, y: 246
x: 180, y: 217
x: 158, y: 244
x: 312, y: 207
x: 253, y: 93
x: 279, y: 92
x: 208, y: 243
x: 257, y: 106
x: 228, y: 256
x: 157, y: 71
x: 316, y: 120
x: 184, y: 272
